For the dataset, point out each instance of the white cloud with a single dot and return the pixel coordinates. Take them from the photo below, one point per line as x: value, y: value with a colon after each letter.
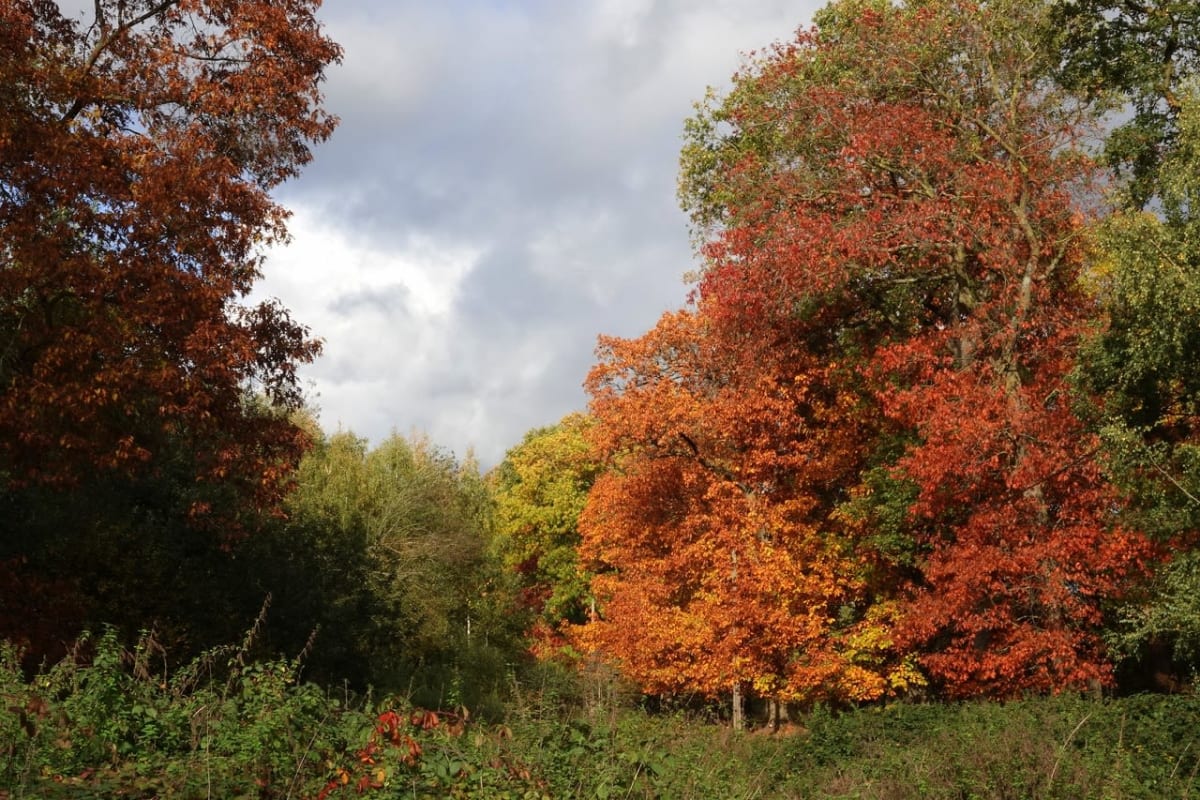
x: 621, y: 21
x: 384, y: 313
x: 350, y: 269
x: 500, y: 192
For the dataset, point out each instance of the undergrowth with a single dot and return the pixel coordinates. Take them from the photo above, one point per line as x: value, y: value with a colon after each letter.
x: 108, y: 722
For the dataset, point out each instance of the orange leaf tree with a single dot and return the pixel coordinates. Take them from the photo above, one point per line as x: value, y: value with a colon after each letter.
x: 137, y: 150
x: 873, y: 373
x: 716, y: 564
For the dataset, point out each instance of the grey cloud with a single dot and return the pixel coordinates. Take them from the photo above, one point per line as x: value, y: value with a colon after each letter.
x: 542, y: 135
x: 389, y: 301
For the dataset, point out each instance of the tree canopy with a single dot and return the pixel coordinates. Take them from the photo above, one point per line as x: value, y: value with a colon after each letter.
x: 137, y: 153
x: 540, y: 490
x: 858, y: 452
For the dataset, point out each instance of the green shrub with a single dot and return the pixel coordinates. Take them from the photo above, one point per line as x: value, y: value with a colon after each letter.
x: 104, y: 725
x: 105, y: 722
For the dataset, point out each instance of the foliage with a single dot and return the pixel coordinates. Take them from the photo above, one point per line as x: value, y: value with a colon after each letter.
x: 117, y: 723
x: 388, y: 550
x: 926, y: 428
x: 1139, y: 370
x: 383, y: 569
x: 976, y: 224
x: 1143, y: 54
x: 120, y: 723
x: 137, y: 154
x: 1138, y: 373
x: 1166, y: 616
x: 418, y: 753
x: 855, y: 452
x: 145, y: 407
x: 1063, y: 747
x: 540, y: 489
x: 706, y: 533
x: 66, y: 566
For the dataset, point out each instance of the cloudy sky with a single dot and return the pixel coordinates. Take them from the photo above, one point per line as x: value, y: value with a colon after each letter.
x: 501, y: 191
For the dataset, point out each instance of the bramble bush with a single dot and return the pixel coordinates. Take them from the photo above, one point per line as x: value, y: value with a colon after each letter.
x: 103, y: 722
x: 111, y: 722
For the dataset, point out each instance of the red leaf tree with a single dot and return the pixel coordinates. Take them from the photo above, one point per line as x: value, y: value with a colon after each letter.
x: 137, y: 151
x: 891, y: 209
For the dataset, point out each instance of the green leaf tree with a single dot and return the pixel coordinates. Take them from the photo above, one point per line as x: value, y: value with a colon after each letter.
x: 1142, y: 55
x: 540, y: 490
x: 389, y: 550
x: 1139, y: 373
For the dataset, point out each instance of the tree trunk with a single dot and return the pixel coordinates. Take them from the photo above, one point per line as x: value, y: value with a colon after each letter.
x: 739, y: 707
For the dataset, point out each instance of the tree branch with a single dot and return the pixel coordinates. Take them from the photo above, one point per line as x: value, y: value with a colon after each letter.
x: 721, y: 472
x: 105, y: 41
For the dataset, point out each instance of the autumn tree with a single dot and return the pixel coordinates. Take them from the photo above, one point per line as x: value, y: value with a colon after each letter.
x: 890, y: 209
x: 1138, y: 370
x: 540, y: 490
x: 718, y: 568
x: 139, y: 144
x: 138, y: 147
x: 1012, y: 513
